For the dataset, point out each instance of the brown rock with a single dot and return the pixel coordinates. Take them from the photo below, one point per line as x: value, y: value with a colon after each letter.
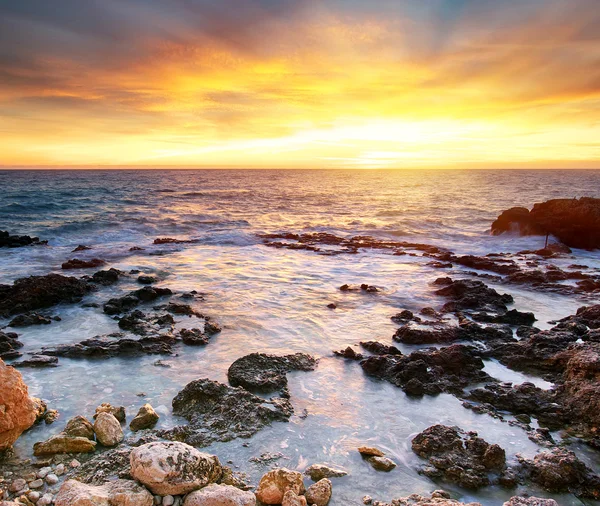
x: 370, y: 451
x: 62, y: 443
x: 79, y: 426
x: 273, y: 485
x: 319, y: 493
x: 145, y: 419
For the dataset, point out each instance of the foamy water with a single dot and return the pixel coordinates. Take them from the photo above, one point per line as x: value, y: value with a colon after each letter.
x: 274, y: 301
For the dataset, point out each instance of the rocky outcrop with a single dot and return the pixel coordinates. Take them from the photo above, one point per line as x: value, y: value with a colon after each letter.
x: 17, y: 241
x: 132, y: 299
x: 220, y: 495
x: 458, y: 457
x: 276, y: 483
x: 76, y: 263
x: 38, y: 292
x: 217, y: 412
x: 575, y: 222
x: 17, y: 410
x: 25, y: 320
x: 471, y: 294
x: 259, y: 372
x: 173, y: 468
x: 114, y: 493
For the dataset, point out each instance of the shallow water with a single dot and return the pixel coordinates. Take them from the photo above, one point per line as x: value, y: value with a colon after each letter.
x: 274, y: 301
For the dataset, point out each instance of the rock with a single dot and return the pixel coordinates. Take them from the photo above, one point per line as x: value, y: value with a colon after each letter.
x: 37, y: 361
x: 45, y: 500
x: 217, y: 412
x: 146, y: 280
x: 81, y: 247
x: 39, y: 483
x: 379, y: 348
x: 264, y: 373
x: 290, y: 498
x: 62, y: 443
x: 51, y: 416
x: 211, y: 328
x: 145, y: 419
x: 79, y: 426
x: 319, y: 493
x: 114, y: 345
x: 530, y: 501
x: 117, y: 411
x: 458, y: 457
x: 17, y: 410
x: 17, y: 241
x: 381, y: 463
x: 9, y: 345
x: 193, y: 337
x: 220, y: 495
x: 25, y: 320
x: 319, y: 471
x: 575, y: 222
x: 349, y: 353
x: 168, y: 500
x: 51, y: 479
x: 76, y: 263
x: 17, y: 485
x: 173, y: 468
x: 114, y: 493
x: 108, y: 429
x: 471, y: 294
x: 276, y: 483
x: 38, y: 292
x: 559, y: 470
x: 438, y: 498
x: 107, y: 277
x: 370, y: 451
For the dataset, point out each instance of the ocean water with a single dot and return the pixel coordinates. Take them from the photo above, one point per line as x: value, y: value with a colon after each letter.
x: 275, y: 300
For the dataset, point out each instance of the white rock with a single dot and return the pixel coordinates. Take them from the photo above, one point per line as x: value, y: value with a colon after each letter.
x: 108, y: 429
x: 173, y: 468
x: 276, y: 483
x: 39, y: 483
x: 51, y: 479
x: 220, y: 495
x: 60, y: 470
x: 168, y: 500
x: 34, y: 496
x: 45, y: 500
x: 43, y: 472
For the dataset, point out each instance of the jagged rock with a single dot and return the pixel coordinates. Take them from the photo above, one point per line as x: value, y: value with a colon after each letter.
x: 76, y: 263
x: 104, y: 466
x: 38, y: 292
x: 217, y: 412
x: 81, y: 247
x: 108, y: 429
x: 114, y: 345
x: 62, y: 443
x: 107, y: 277
x: 79, y: 426
x: 145, y: 419
x: 530, y: 501
x: 276, y: 483
x: 17, y: 241
x: 9, y: 344
x: 27, y: 319
x: 17, y: 410
x: 117, y: 411
x: 264, y: 373
x: 220, y: 495
x: 114, y: 493
x: 381, y: 463
x: 146, y: 280
x: 437, y: 498
x: 370, y: 451
x: 173, y: 468
x: 290, y: 498
x: 458, y: 457
x: 211, y: 328
x: 379, y: 348
x: 132, y: 299
x: 319, y: 471
x: 193, y: 337
x: 349, y: 353
x: 37, y: 361
x: 512, y: 317
x: 445, y: 334
x: 319, y: 493
x: 471, y: 294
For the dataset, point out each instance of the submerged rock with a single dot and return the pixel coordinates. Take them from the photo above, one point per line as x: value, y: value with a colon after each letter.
x: 173, y: 468
x: 217, y: 412
x: 273, y: 485
x: 458, y: 457
x: 260, y: 372
x: 25, y: 320
x: 17, y: 410
x: 107, y: 277
x: 38, y: 292
x: 113, y: 493
x: 132, y: 299
x: 319, y: 471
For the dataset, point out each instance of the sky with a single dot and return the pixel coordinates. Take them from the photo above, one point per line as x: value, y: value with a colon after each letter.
x: 300, y: 83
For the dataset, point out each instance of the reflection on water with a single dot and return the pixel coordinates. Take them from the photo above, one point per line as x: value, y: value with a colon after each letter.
x: 275, y: 301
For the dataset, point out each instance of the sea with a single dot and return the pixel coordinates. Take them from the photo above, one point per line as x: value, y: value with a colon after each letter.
x: 275, y: 300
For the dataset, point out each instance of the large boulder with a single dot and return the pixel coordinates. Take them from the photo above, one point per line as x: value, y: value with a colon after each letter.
x: 37, y: 292
x: 108, y: 429
x: 173, y: 468
x: 273, y: 485
x: 114, y: 493
x: 220, y: 495
x: 575, y: 222
x: 17, y: 410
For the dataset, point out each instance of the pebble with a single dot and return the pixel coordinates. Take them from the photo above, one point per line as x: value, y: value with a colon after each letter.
x: 17, y: 485
x: 34, y: 496
x: 30, y: 477
x: 168, y: 500
x: 60, y: 470
x: 43, y: 472
x: 74, y: 463
x: 45, y: 500
x: 39, y: 483
x: 367, y: 499
x: 157, y: 500
x: 51, y: 479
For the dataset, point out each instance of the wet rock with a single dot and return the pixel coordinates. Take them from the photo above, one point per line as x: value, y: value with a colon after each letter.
x: 108, y: 430
x: 117, y: 411
x: 81, y: 247
x: 145, y: 419
x: 173, y: 468
x: 381, y: 463
x: 37, y: 361
x: 103, y: 466
x: 512, y: 317
x: 114, y: 493
x: 276, y: 483
x: 559, y: 470
x: 9, y: 344
x: 458, y: 457
x: 378, y: 348
x: 38, y: 292
x: 575, y: 222
x: 437, y: 498
x: 319, y: 471
x: 290, y: 498
x: 114, y: 345
x: 146, y: 280
x: 76, y: 263
x: 135, y: 322
x: 530, y: 501
x: 181, y: 309
x: 193, y: 337
x: 107, y: 277
x: 471, y: 294
x: 430, y: 371
x: 79, y: 426
x: 17, y: 241
x: 264, y: 373
x: 403, y: 317
x: 62, y: 443
x: 370, y: 451
x: 332, y: 305
x: 319, y: 493
x: 169, y: 240
x: 27, y: 319
x: 17, y: 410
x: 211, y: 328
x: 220, y: 495
x: 349, y: 353
x: 131, y: 300
x: 217, y: 412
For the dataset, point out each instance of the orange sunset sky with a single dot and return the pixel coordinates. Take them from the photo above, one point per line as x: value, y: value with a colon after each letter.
x: 300, y: 83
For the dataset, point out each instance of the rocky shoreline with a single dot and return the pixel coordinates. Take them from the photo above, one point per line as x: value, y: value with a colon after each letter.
x: 92, y: 462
